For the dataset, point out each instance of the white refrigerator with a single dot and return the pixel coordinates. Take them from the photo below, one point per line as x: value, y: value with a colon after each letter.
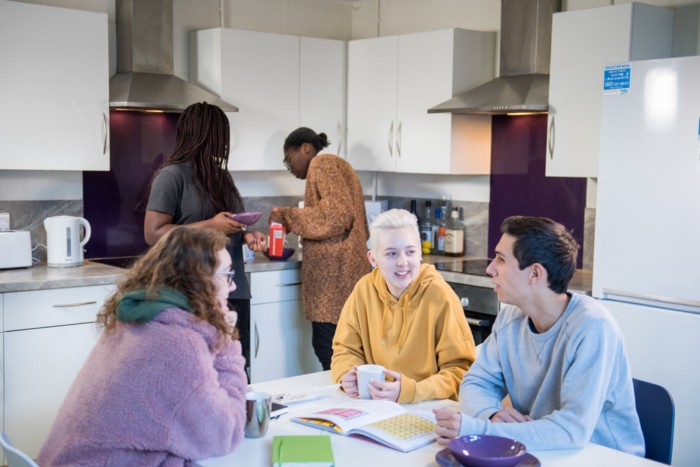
x: 647, y: 236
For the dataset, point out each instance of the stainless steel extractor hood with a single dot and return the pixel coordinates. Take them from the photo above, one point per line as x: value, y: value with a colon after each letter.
x: 144, y: 78
x: 523, y: 84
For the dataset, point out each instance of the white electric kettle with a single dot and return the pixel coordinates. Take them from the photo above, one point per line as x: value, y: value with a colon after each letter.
x: 64, y: 247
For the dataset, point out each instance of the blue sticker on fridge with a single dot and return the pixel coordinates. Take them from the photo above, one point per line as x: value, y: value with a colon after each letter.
x: 616, y: 79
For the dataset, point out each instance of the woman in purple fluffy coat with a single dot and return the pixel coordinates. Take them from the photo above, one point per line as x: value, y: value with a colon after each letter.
x: 165, y: 383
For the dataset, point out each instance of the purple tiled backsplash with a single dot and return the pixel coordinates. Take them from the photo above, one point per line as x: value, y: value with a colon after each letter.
x: 114, y: 201
x: 518, y: 182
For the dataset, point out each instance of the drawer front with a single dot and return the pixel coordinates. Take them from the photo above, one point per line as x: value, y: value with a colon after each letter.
x: 54, y: 307
x: 275, y: 286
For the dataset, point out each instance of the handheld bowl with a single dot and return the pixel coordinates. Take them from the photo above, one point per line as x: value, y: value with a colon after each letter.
x: 487, y: 450
x: 247, y: 218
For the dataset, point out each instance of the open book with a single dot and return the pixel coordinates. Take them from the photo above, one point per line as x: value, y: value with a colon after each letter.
x: 383, y: 421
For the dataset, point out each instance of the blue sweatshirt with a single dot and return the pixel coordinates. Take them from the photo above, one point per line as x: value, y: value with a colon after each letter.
x: 574, y: 380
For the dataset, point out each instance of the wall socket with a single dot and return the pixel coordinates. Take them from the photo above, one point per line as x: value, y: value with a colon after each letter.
x: 4, y: 221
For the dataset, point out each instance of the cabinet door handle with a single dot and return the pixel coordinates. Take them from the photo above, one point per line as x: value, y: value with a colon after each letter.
x: 257, y: 340
x: 340, y: 139
x: 552, y: 134
x: 291, y: 284
x: 71, y: 305
x: 398, y: 141
x: 391, y: 139
x: 104, y: 133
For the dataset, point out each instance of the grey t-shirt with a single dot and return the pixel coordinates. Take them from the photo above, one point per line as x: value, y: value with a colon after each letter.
x: 173, y: 192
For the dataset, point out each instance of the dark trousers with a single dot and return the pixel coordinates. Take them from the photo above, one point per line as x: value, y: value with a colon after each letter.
x: 242, y: 307
x: 322, y: 340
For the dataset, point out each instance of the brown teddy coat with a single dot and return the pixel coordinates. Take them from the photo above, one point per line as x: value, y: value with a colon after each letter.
x: 333, y: 227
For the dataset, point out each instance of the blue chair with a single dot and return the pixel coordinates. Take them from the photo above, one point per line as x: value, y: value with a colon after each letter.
x: 15, y: 457
x: 656, y: 414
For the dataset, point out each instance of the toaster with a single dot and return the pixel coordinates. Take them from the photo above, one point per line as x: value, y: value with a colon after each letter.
x: 15, y: 249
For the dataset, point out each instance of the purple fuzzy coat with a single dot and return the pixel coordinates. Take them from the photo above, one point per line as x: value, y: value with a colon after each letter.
x: 154, y: 394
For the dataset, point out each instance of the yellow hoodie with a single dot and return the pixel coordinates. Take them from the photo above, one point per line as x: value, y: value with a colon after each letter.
x: 423, y: 335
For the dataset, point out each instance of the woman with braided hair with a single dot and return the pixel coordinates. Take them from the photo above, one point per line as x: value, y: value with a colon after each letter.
x: 194, y: 188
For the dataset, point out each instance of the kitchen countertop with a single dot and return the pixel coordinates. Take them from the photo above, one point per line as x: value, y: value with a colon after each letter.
x: 582, y: 282
x: 42, y: 277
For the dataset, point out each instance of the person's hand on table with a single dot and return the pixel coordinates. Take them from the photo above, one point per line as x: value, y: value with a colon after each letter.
x: 386, y: 390
x: 348, y: 383
x: 510, y: 415
x: 447, y: 427
x: 255, y: 240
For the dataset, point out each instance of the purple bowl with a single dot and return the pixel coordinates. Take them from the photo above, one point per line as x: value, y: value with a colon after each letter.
x: 247, y: 218
x: 286, y: 253
x: 487, y: 450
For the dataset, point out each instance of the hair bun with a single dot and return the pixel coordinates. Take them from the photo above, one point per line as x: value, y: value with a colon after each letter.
x: 323, y: 138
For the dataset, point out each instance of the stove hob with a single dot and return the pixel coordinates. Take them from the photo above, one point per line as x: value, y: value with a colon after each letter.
x: 124, y: 262
x: 473, y: 267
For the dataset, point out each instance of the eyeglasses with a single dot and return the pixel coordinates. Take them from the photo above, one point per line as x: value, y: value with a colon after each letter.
x: 229, y: 274
x: 287, y: 162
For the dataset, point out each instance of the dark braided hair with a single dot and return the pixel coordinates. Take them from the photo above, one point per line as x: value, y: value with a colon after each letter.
x: 203, y: 137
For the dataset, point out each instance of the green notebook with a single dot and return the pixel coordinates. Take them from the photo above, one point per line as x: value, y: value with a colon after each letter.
x: 292, y: 451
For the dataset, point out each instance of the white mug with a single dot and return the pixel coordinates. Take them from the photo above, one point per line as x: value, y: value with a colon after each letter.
x: 365, y: 374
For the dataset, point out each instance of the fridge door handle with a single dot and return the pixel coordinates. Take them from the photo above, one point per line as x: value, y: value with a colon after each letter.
x: 692, y: 306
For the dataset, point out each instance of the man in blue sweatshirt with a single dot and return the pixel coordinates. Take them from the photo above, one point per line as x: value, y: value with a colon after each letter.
x: 558, y: 355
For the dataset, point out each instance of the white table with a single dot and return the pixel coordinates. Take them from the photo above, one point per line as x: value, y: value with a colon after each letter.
x: 350, y: 451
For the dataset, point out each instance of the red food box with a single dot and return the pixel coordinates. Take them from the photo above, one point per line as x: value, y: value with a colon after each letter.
x: 276, y: 239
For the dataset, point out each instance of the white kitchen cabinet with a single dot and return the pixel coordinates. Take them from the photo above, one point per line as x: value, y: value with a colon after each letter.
x: 280, y: 335
x: 394, y: 80
x: 55, y: 88
x: 583, y: 42
x: 279, y: 82
x: 48, y: 334
x: 322, y: 76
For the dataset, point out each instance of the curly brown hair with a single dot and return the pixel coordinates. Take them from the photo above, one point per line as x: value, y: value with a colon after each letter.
x: 184, y: 259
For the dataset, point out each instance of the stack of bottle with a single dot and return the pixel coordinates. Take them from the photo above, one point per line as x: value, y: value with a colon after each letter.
x: 441, y: 230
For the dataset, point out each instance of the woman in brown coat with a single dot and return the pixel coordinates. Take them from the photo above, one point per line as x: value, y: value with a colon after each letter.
x: 333, y: 225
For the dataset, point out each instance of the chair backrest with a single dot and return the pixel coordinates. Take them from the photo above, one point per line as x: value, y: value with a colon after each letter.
x: 656, y: 414
x: 15, y: 457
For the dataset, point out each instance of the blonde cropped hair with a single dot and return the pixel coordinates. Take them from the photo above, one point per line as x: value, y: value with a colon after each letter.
x: 391, y: 219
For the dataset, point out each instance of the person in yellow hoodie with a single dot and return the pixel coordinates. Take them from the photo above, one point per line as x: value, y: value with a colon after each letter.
x: 405, y: 317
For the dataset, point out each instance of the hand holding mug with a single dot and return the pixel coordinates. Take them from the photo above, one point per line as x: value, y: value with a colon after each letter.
x: 386, y: 390
x: 348, y: 382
